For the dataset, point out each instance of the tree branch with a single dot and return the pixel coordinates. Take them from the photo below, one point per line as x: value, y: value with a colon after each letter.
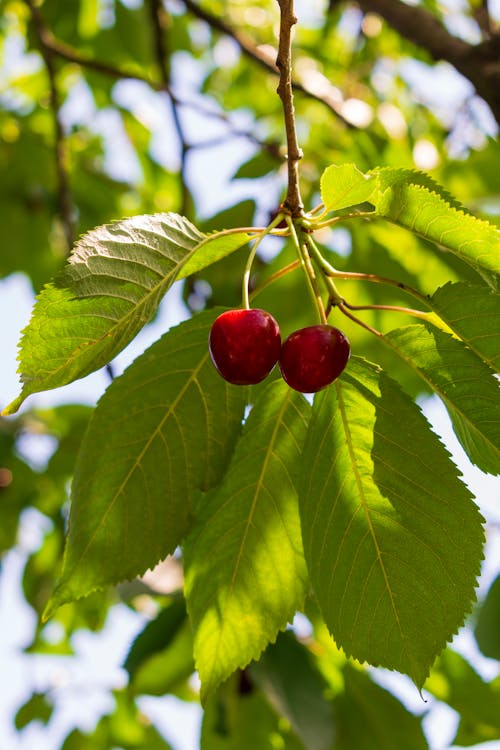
x: 479, y: 63
x: 159, y: 23
x: 70, y: 54
x: 293, y: 200
x: 264, y: 58
x: 64, y: 199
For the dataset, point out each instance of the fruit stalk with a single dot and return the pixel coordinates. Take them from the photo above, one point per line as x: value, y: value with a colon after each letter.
x: 293, y: 200
x: 306, y: 264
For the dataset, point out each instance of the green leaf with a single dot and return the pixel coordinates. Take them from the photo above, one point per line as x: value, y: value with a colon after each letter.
x: 455, y: 682
x: 465, y: 384
x: 344, y: 185
x: 391, y: 536
x: 244, y: 567
x: 36, y: 708
x: 258, y: 166
x: 111, y: 287
x: 238, y: 717
x: 416, y: 202
x: 166, y: 670
x: 124, y: 728
x: 370, y: 718
x: 157, y: 635
x: 295, y: 688
x: 473, y: 313
x: 162, y: 432
x: 487, y: 630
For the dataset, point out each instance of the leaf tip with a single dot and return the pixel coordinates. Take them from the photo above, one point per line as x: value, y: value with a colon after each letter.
x: 14, y: 406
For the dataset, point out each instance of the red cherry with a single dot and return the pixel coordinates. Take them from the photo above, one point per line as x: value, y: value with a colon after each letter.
x: 313, y: 357
x: 244, y: 345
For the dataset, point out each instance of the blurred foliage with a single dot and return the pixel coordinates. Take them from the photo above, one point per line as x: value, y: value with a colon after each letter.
x: 122, y: 156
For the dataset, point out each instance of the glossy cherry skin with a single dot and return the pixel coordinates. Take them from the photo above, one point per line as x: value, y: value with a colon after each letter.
x: 311, y: 358
x: 244, y: 345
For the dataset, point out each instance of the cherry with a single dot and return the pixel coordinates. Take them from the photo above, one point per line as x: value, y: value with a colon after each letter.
x: 311, y: 358
x: 244, y: 345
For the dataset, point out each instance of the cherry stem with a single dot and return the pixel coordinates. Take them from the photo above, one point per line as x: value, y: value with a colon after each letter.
x: 274, y: 277
x: 335, y: 296
x: 248, y: 267
x: 301, y: 246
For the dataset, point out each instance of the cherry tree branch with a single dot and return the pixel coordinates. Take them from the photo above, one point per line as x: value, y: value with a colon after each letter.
x: 480, y: 63
x: 264, y: 58
x: 64, y: 199
x: 159, y: 23
x: 293, y: 201
x: 70, y: 54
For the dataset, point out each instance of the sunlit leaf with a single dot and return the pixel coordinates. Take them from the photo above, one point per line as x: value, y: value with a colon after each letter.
x: 244, y: 566
x: 414, y: 201
x: 473, y: 313
x: 110, y: 288
x: 392, y: 538
x: 163, y: 431
x: 466, y: 385
x: 344, y: 185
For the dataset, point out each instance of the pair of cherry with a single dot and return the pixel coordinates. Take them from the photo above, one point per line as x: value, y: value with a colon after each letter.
x: 246, y: 344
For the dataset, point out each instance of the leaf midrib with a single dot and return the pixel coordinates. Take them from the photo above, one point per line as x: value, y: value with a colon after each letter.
x: 137, y: 462
x: 366, y: 510
x: 258, y: 486
x: 457, y: 250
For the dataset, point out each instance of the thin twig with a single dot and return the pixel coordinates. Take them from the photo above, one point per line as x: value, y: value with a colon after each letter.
x: 480, y: 63
x: 262, y: 57
x: 64, y: 199
x: 293, y: 201
x: 159, y: 23
x: 70, y: 54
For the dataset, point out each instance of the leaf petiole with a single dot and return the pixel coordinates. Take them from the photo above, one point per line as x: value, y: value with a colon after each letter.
x: 305, y: 260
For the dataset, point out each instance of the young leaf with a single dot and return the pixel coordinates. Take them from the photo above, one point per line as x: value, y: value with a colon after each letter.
x: 111, y: 287
x: 244, y: 567
x: 391, y: 536
x: 344, y: 185
x: 412, y: 200
x: 162, y: 432
x: 466, y: 385
x: 473, y: 314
